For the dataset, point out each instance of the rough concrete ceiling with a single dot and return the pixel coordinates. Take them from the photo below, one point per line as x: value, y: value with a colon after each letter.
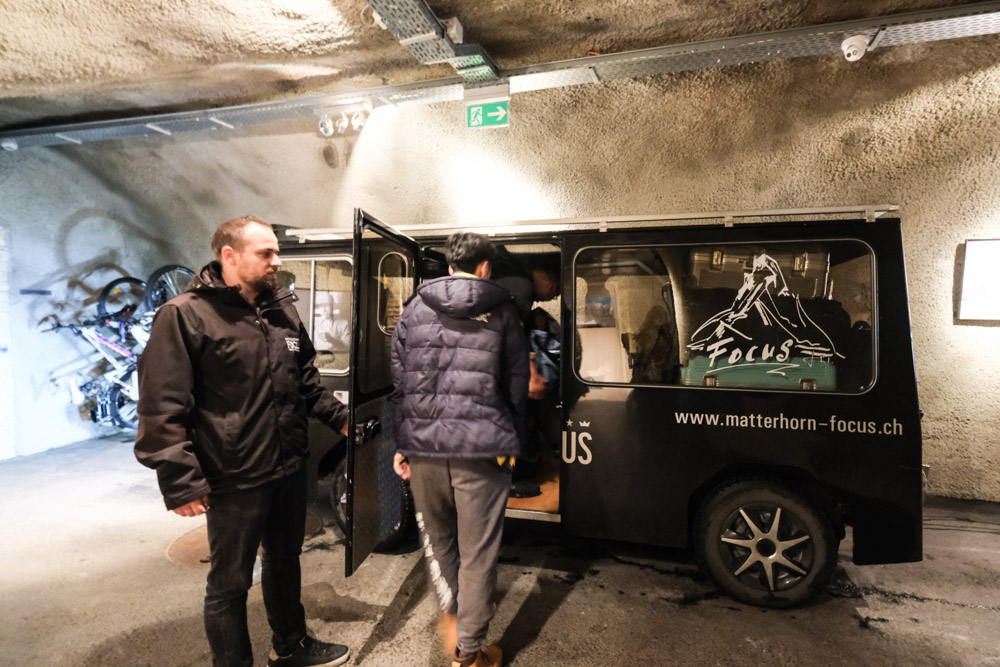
x: 86, y: 60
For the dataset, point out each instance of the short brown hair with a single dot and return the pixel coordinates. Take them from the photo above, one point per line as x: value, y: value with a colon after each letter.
x: 230, y: 233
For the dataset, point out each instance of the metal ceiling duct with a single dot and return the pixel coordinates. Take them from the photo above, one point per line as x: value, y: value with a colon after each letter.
x: 419, y: 30
x: 881, y: 32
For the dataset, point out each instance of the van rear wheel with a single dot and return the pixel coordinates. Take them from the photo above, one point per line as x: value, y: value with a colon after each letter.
x: 765, y: 544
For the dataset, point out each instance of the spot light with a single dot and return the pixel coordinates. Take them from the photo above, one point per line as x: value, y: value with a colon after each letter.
x: 326, y: 125
x: 342, y: 123
x: 343, y: 117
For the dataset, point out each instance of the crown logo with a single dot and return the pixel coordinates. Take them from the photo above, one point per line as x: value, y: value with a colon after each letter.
x: 584, y: 424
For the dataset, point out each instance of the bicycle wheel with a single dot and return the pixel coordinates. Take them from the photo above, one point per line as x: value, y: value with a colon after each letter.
x: 120, y: 298
x: 165, y: 283
x: 123, y: 410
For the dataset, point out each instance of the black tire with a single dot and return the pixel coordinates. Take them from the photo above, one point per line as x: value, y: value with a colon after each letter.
x: 765, y: 544
x: 165, y: 283
x: 123, y: 410
x: 403, y: 529
x: 121, y: 298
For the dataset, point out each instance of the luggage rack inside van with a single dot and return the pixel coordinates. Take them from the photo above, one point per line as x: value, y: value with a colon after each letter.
x: 728, y: 218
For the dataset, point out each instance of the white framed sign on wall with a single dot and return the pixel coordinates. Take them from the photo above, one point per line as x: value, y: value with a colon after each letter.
x: 981, y: 281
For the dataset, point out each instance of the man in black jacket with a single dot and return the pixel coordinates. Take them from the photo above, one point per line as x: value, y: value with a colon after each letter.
x: 460, y: 371
x: 226, y: 385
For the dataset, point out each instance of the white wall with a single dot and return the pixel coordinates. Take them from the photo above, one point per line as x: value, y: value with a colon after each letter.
x: 911, y: 126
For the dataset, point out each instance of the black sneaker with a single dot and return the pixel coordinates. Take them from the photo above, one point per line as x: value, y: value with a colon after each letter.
x: 312, y: 652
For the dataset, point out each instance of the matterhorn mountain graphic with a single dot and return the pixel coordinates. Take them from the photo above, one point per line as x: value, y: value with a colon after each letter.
x: 766, y: 325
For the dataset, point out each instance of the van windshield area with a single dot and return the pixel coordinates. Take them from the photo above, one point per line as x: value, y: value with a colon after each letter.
x: 790, y: 316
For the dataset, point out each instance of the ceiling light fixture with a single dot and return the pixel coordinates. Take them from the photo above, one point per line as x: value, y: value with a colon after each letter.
x: 342, y: 124
x: 326, y: 125
x: 339, y: 118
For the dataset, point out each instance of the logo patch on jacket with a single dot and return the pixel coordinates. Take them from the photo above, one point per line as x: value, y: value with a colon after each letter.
x: 485, y: 317
x: 293, y: 344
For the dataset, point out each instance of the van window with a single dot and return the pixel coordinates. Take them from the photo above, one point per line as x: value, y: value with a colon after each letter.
x: 785, y: 315
x: 395, y: 284
x: 389, y: 283
x: 323, y: 287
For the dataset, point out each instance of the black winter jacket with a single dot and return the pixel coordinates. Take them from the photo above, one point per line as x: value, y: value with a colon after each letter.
x: 460, y: 371
x: 225, y: 390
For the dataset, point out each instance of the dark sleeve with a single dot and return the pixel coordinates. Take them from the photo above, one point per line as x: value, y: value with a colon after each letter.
x: 320, y: 401
x: 397, y: 355
x: 166, y: 399
x: 522, y: 290
x: 515, y: 370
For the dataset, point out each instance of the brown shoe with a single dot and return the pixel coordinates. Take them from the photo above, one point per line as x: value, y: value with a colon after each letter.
x: 448, y: 632
x: 488, y: 656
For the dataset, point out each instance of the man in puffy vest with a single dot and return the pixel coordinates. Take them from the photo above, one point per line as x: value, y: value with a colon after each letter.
x: 226, y: 385
x: 460, y: 371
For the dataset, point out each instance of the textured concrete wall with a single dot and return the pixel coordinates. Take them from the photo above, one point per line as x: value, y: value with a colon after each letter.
x: 911, y: 126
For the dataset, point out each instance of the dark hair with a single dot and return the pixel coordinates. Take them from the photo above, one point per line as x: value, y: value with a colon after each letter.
x: 467, y: 250
x: 230, y: 233
x: 548, y: 262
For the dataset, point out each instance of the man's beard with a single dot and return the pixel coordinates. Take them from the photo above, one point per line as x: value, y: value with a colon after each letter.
x: 266, y: 283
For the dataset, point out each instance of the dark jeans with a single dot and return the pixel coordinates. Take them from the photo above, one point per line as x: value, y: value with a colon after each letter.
x: 273, y: 516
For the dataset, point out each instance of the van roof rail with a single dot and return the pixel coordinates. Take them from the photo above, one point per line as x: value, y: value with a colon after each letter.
x: 870, y: 214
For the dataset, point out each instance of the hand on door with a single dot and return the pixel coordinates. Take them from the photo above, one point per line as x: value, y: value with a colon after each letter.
x: 401, y: 466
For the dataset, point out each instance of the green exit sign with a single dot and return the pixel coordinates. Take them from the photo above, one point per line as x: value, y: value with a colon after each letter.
x: 493, y: 114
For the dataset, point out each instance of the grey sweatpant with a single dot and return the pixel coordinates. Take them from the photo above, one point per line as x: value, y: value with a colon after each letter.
x: 460, y: 507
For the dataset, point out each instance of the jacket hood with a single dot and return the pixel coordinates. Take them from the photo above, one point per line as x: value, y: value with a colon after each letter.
x: 463, y: 296
x: 210, y: 276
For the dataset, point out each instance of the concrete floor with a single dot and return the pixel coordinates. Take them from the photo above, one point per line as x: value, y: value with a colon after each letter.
x: 86, y: 581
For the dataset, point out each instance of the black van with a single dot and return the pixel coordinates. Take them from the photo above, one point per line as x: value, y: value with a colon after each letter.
x: 746, y: 389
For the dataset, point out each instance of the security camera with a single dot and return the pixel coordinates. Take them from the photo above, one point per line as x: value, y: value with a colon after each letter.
x: 326, y: 126
x: 854, y: 47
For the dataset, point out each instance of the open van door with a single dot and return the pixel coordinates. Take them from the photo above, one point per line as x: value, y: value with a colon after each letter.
x: 385, y: 276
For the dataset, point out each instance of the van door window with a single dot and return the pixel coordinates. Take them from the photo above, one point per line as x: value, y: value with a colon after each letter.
x: 296, y: 275
x: 331, y: 320
x: 783, y: 316
x: 395, y: 284
x: 323, y: 288
x: 389, y: 287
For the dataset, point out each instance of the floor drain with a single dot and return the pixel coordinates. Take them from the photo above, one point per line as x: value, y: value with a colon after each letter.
x: 191, y: 548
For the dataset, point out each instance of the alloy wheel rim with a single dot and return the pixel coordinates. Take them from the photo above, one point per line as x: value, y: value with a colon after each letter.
x: 766, y: 547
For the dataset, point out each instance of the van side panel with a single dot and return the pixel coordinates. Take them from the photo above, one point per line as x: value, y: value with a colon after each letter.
x: 635, y: 456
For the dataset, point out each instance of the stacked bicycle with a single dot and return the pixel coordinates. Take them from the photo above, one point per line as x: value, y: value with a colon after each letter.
x: 125, y: 309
